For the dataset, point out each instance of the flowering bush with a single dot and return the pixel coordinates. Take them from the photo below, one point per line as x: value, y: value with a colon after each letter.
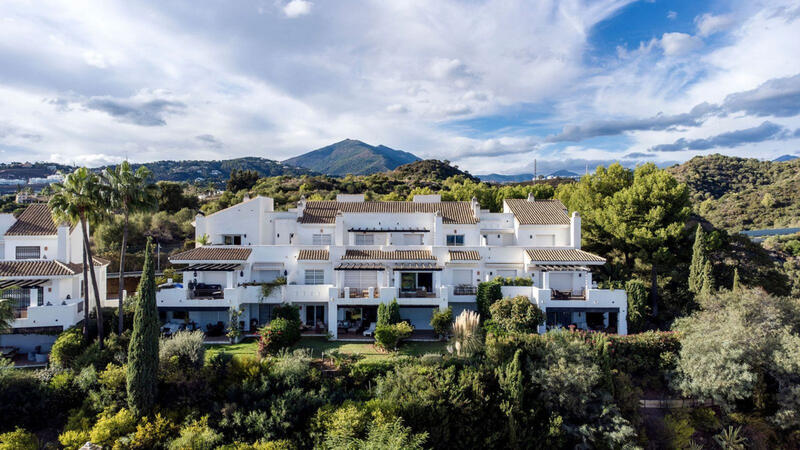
x: 279, y: 334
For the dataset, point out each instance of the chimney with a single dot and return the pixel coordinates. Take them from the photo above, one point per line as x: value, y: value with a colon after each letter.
x: 531, y: 197
x: 575, y: 230
x: 301, y: 205
x: 245, y: 198
x: 476, y: 208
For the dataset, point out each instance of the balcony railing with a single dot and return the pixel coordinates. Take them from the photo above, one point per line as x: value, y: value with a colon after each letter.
x: 361, y: 293
x: 567, y: 295
x: 417, y: 294
x: 465, y: 289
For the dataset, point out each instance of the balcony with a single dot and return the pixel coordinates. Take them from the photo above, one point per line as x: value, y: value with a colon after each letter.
x: 465, y: 289
x: 65, y: 313
x: 370, y: 292
x: 419, y: 293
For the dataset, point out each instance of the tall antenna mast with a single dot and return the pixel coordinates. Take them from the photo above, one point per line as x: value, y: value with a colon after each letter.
x: 535, y: 171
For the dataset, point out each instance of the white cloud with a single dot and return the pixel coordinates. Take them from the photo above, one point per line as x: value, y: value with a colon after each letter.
x: 672, y: 15
x: 676, y: 44
x: 297, y: 8
x: 708, y: 24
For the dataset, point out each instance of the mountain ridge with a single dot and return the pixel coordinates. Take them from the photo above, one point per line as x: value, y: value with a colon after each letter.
x: 351, y: 156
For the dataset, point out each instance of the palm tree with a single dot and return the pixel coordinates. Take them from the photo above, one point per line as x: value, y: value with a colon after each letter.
x: 128, y: 192
x: 78, y: 201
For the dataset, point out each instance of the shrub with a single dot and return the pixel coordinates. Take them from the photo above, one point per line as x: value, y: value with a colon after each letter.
x: 286, y: 311
x: 109, y: 427
x: 679, y: 429
x: 518, y: 281
x: 196, y: 436
x: 279, y: 334
x: 488, y: 293
x: 67, y: 347
x: 150, y: 433
x: 389, y: 336
x: 74, y: 439
x: 467, y: 339
x: 184, y: 350
x: 638, y: 307
x: 292, y: 368
x: 442, y: 321
x: 389, y: 314
x: 517, y: 315
x: 18, y: 439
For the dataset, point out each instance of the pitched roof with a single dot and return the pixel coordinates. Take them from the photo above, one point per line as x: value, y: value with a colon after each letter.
x: 314, y: 255
x: 35, y: 220
x: 539, y: 212
x: 212, y: 253
x: 464, y: 255
x: 566, y: 255
x: 403, y: 255
x: 38, y: 268
x: 325, y: 211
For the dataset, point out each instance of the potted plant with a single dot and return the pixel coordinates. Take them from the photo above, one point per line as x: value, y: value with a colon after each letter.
x: 235, y: 333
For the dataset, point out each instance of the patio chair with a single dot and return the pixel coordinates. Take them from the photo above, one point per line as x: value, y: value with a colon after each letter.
x: 371, y: 330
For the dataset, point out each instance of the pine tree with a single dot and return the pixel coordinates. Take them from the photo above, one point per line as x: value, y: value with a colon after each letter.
x: 736, y: 282
x: 707, y: 279
x: 699, y: 260
x: 142, y: 371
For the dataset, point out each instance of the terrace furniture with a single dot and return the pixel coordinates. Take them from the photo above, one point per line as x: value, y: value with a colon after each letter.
x: 371, y: 330
x: 207, y: 290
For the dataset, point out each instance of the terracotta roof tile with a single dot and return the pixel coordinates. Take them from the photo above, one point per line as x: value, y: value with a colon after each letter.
x: 464, y: 255
x: 567, y: 255
x: 539, y: 212
x: 38, y: 268
x: 213, y: 253
x: 314, y: 255
x: 325, y: 211
x: 35, y: 220
x: 401, y: 255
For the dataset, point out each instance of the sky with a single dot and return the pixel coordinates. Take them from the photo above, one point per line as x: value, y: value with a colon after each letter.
x: 488, y: 85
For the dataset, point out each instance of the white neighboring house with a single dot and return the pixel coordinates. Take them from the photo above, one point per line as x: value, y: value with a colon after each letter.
x: 342, y: 258
x: 41, y: 272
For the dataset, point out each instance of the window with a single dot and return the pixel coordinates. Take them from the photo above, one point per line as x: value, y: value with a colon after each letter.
x: 365, y: 239
x: 266, y: 276
x: 315, y: 276
x: 315, y: 315
x: 412, y: 239
x: 28, y: 252
x: 455, y: 240
x: 232, y: 239
x: 321, y: 239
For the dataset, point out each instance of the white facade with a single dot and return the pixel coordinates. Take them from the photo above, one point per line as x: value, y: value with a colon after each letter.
x: 41, y: 271
x: 341, y: 259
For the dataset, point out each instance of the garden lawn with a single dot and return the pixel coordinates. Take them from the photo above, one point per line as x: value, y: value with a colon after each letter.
x: 318, y: 345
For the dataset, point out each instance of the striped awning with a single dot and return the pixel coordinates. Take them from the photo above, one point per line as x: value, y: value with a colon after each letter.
x: 21, y: 284
x: 417, y: 267
x: 212, y: 267
x: 360, y: 266
x: 561, y: 267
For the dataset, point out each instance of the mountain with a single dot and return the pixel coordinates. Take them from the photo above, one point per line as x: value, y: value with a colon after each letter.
x: 430, y: 170
x: 500, y: 178
x: 564, y: 174
x: 218, y: 170
x: 743, y: 193
x: 785, y: 158
x: 352, y: 157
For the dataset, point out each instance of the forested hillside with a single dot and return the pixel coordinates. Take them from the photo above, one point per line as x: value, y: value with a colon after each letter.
x: 742, y: 194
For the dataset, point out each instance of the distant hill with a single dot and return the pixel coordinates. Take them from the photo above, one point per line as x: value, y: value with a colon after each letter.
x: 500, y: 178
x: 429, y: 170
x: 784, y: 158
x: 352, y: 157
x: 217, y: 171
x: 743, y: 194
x: 564, y: 174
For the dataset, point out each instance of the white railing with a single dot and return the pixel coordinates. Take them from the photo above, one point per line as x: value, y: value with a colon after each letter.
x: 307, y: 292
x: 52, y: 315
x: 179, y: 297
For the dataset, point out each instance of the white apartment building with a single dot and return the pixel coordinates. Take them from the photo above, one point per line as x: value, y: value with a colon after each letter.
x: 342, y: 258
x: 41, y: 272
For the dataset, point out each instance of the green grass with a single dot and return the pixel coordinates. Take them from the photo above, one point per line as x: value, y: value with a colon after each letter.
x: 318, y: 345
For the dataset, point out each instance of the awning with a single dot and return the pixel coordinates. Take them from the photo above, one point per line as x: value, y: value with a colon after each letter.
x: 563, y: 267
x: 267, y: 266
x: 417, y: 267
x: 388, y: 230
x: 21, y: 284
x: 212, y: 268
x: 360, y: 266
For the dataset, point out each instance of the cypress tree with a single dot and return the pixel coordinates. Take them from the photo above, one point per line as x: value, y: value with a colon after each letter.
x: 707, y: 279
x: 736, y: 281
x: 699, y: 260
x: 142, y: 370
